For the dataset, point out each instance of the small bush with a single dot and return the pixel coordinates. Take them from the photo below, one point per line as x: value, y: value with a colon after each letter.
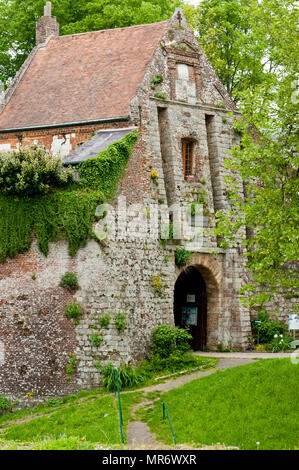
x: 74, y: 310
x: 54, y: 402
x: 96, y: 340
x: 160, y: 95
x: 182, y: 256
x: 280, y: 343
x: 5, y: 403
x: 267, y: 328
x: 157, y: 79
x: 120, y: 322
x: 157, y: 284
x: 167, y: 340
x: 32, y: 171
x: 104, y: 320
x: 70, y: 281
x: 127, y: 377
x: 71, y: 367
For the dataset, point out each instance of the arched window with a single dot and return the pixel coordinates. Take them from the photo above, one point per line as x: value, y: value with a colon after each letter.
x: 187, y: 155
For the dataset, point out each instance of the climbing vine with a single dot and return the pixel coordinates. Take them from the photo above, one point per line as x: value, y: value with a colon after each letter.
x: 104, y: 172
x: 63, y: 214
x: 52, y: 217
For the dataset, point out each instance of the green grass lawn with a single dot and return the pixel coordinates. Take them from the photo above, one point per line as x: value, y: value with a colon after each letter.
x: 241, y: 406
x: 88, y: 419
x: 76, y: 425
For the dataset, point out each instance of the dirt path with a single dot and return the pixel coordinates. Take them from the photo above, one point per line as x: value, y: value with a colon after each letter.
x: 138, y: 433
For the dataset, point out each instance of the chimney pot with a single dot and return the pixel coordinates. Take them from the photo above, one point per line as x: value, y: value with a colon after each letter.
x: 47, y: 26
x: 47, y: 9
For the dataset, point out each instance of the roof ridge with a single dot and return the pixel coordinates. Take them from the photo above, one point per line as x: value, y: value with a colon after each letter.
x: 110, y: 29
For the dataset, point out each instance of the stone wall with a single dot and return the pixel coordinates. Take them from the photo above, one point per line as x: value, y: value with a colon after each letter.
x: 118, y: 278
x: 37, y: 335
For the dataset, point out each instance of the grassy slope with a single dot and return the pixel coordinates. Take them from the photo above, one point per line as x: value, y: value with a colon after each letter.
x: 85, y: 420
x: 72, y: 426
x: 239, y: 407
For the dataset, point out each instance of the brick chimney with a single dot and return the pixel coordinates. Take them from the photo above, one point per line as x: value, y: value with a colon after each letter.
x: 47, y: 25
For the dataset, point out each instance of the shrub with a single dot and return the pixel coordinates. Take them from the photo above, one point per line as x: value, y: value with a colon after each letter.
x: 157, y: 79
x: 32, y: 171
x: 182, y: 256
x: 70, y: 281
x: 120, y: 321
x: 157, y: 284
x: 5, y: 403
x: 54, y: 402
x: 104, y: 320
x: 267, y: 328
x: 74, y: 310
x: 96, y: 340
x: 168, y: 365
x: 127, y: 377
x: 71, y: 367
x: 160, y: 95
x: 280, y: 343
x: 167, y: 340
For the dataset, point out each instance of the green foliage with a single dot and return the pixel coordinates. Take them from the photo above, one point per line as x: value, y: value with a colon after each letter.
x: 60, y: 214
x: 160, y: 95
x: 267, y: 328
x: 280, y: 343
x: 5, y: 403
x: 70, y: 281
x: 127, y: 377
x: 96, y: 340
x: 31, y: 171
x: 157, y: 365
x: 182, y: 256
x: 147, y: 370
x: 226, y: 30
x: 167, y: 340
x: 50, y: 217
x: 221, y: 348
x: 104, y: 320
x: 70, y: 369
x: 120, y: 321
x: 157, y: 79
x: 157, y: 284
x: 267, y: 162
x: 104, y: 172
x: 74, y: 310
x: 54, y: 402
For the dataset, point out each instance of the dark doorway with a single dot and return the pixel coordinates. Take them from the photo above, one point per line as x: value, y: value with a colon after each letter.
x: 190, y: 305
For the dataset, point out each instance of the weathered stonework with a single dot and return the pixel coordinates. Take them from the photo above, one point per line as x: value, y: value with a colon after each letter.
x: 37, y: 336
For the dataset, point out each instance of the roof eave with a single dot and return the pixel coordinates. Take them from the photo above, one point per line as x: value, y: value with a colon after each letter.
x: 65, y: 124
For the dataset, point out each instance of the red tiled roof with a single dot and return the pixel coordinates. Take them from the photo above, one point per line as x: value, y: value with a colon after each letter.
x: 82, y: 77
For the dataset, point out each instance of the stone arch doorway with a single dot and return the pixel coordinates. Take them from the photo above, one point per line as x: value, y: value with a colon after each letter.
x: 199, y: 286
x: 190, y: 305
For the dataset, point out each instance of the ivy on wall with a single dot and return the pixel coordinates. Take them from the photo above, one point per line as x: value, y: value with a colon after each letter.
x: 63, y: 214
x: 105, y: 171
x: 52, y: 217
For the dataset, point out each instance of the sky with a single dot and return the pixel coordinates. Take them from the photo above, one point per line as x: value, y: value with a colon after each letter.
x: 192, y: 2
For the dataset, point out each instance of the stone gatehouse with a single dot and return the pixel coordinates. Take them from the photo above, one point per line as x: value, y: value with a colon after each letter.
x: 74, y: 95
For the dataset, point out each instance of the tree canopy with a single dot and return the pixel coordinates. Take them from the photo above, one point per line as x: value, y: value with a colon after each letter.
x: 267, y: 160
